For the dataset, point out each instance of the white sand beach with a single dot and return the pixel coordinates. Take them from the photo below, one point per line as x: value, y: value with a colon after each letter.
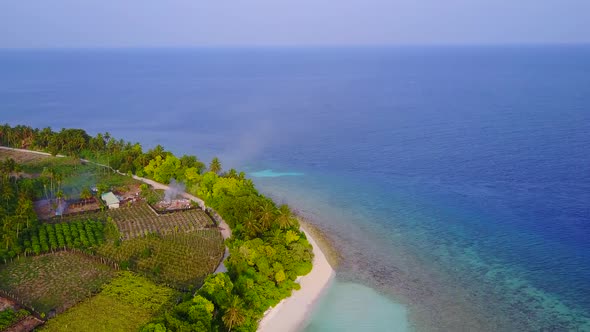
x: 292, y: 312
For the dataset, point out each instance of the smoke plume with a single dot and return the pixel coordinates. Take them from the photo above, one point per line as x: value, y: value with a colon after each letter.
x: 174, y: 190
x: 61, y: 207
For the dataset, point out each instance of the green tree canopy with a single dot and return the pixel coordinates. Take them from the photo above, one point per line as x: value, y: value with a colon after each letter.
x: 215, y: 166
x: 234, y: 314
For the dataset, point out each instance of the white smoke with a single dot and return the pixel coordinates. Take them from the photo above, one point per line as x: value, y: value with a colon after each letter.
x: 61, y: 207
x: 252, y: 142
x: 174, y: 190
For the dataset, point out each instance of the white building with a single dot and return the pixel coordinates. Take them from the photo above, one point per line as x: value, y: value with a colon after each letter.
x: 111, y: 200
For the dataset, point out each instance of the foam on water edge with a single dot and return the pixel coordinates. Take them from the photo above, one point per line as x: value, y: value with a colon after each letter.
x: 269, y: 173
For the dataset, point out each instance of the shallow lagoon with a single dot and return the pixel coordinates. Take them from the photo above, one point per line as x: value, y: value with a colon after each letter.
x: 353, y: 307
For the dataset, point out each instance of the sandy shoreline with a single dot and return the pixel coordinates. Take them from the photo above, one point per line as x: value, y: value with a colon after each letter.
x: 292, y: 312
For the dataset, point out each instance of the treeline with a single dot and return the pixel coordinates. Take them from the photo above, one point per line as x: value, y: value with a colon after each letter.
x: 118, y: 154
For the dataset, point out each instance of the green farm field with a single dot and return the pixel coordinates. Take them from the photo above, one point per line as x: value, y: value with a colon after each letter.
x: 140, y: 220
x: 53, y: 282
x: 181, y: 260
x: 125, y: 304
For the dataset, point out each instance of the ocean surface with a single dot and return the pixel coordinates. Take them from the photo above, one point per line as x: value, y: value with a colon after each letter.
x: 454, y: 181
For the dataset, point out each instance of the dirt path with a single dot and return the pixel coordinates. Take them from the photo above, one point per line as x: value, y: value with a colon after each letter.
x: 30, y: 151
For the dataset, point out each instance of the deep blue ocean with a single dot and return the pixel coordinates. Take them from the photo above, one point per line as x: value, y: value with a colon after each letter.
x: 454, y: 181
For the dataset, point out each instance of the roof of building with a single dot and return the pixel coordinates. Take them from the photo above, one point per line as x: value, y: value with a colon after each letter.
x: 110, y: 198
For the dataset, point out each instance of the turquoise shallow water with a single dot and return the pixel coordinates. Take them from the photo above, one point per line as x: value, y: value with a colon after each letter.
x: 269, y: 173
x: 354, y: 307
x: 454, y: 181
x: 444, y: 284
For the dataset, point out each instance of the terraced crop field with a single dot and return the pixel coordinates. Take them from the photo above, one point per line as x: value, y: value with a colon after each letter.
x: 140, y: 220
x: 53, y: 281
x: 181, y: 260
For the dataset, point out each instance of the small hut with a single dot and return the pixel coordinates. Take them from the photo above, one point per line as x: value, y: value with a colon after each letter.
x: 111, y: 200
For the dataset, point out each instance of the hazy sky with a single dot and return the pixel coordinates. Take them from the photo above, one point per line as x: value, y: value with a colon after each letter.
x: 110, y: 23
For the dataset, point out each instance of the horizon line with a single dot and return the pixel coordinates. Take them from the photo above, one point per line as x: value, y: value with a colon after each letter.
x: 297, y: 46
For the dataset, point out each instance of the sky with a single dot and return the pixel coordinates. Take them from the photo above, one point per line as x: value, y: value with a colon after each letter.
x: 194, y: 23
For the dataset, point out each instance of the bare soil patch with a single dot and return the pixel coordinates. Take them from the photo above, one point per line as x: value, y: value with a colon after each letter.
x: 7, y: 303
x: 46, y: 209
x: 21, y: 157
x: 25, y: 325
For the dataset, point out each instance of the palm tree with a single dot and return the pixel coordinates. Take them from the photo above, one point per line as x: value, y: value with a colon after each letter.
x: 285, y: 218
x: 45, y: 137
x: 267, y: 214
x: 232, y: 174
x: 234, y: 314
x: 7, y: 237
x: 7, y: 193
x: 58, y: 179
x: 251, y: 224
x: 85, y: 195
x: 215, y: 166
x: 98, y: 144
x: 60, y: 196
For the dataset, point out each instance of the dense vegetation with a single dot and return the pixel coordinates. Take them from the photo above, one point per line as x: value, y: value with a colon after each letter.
x: 17, y: 215
x: 267, y: 249
x: 126, y: 157
x: 134, y: 299
x: 9, y: 316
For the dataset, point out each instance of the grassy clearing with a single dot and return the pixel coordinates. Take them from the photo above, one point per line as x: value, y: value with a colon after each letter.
x: 181, y: 260
x: 53, y: 281
x: 140, y: 220
x: 88, y: 176
x: 100, y: 313
x: 125, y: 304
x: 36, y: 166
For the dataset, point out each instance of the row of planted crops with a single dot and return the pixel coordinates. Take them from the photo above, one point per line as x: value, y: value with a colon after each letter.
x: 74, y: 235
x: 140, y: 220
x: 178, y: 260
